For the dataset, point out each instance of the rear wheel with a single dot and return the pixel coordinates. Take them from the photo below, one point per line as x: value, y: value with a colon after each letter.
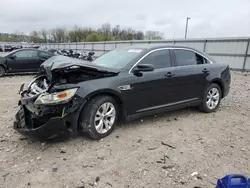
x: 2, y: 71
x: 99, y: 117
x: 211, y: 99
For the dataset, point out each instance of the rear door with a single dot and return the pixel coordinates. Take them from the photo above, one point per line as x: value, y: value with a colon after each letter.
x: 43, y: 56
x: 193, y: 70
x: 151, y: 90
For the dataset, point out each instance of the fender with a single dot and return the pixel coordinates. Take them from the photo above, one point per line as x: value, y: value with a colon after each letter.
x: 115, y: 94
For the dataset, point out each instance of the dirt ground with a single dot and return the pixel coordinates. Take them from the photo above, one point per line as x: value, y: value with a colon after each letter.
x: 158, y: 151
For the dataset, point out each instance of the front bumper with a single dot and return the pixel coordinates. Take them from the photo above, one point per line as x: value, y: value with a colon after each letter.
x: 43, y: 121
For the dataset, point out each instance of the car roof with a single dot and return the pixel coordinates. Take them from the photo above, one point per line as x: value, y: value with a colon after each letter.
x: 153, y: 47
x: 24, y: 49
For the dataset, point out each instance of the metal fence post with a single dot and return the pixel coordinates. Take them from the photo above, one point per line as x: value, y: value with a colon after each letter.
x: 205, y: 45
x: 246, y: 55
x: 76, y: 46
x: 104, y: 47
x: 115, y: 44
x: 92, y: 46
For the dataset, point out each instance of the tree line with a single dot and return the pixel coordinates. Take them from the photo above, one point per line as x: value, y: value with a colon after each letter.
x: 82, y: 34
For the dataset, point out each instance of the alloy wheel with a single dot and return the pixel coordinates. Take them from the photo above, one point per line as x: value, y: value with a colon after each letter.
x: 213, y: 98
x: 105, y: 117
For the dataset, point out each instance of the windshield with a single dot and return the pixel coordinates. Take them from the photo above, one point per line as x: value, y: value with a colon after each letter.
x: 117, y: 58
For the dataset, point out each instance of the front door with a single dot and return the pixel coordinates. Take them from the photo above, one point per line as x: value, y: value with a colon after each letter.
x: 23, y: 61
x: 151, y: 90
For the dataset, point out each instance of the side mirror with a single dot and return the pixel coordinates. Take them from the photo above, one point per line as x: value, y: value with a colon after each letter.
x: 143, y: 68
x: 13, y: 57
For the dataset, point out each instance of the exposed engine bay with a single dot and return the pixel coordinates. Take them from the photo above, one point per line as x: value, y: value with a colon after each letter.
x: 64, y: 79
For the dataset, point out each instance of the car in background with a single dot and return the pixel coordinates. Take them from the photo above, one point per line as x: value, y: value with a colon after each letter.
x: 122, y: 84
x: 23, y: 60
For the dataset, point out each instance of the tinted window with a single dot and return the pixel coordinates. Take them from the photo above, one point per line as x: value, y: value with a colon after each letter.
x: 160, y: 59
x: 201, y: 60
x: 25, y: 54
x: 186, y: 57
x: 44, y: 55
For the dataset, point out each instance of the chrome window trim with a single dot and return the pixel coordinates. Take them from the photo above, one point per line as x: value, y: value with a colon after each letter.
x: 170, y: 48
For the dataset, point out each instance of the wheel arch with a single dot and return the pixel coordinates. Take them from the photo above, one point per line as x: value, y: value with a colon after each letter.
x: 219, y: 82
x: 3, y: 65
x: 116, y: 95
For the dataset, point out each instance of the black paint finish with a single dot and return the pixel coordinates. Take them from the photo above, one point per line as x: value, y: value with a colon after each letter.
x: 24, y: 64
x: 145, y: 93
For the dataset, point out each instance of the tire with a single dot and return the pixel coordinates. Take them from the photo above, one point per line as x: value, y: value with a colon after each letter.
x: 92, y: 117
x: 211, y: 95
x: 2, y: 71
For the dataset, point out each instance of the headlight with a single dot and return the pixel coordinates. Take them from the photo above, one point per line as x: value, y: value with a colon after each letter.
x: 55, y: 98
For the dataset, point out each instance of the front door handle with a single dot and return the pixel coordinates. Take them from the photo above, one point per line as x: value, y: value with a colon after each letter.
x: 169, y: 74
x: 205, y: 71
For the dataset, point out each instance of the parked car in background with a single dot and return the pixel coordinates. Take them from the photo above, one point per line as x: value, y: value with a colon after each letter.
x: 23, y: 60
x: 121, y: 84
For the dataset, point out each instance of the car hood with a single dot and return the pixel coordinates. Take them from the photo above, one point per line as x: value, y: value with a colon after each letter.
x: 57, y: 64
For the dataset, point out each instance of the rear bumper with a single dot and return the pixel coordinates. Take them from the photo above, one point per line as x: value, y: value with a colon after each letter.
x: 43, y: 122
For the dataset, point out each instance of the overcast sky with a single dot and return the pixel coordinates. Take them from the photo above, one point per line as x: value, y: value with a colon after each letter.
x: 210, y: 18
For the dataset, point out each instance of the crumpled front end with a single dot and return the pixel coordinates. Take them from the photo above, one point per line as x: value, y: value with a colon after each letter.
x: 51, y: 103
x: 49, y: 119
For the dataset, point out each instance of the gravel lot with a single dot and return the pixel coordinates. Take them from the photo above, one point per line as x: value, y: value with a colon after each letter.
x: 158, y: 151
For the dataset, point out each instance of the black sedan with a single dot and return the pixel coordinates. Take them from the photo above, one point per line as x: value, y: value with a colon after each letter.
x: 23, y: 60
x: 122, y: 84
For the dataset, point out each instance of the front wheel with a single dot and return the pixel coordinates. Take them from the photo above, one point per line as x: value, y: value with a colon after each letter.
x: 211, y: 99
x: 99, y: 117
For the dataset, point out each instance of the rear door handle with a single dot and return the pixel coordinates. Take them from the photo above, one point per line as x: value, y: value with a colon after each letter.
x: 205, y: 71
x: 169, y: 74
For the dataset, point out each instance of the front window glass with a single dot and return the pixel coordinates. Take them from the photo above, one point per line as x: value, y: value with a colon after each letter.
x: 25, y: 54
x: 159, y: 59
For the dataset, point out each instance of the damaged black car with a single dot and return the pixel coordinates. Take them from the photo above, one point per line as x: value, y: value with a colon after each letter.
x: 124, y: 84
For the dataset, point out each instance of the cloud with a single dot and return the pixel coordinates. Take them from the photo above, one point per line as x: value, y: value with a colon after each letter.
x: 213, y: 18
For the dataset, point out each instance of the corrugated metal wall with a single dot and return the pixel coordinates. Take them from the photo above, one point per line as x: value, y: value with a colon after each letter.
x: 234, y: 51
